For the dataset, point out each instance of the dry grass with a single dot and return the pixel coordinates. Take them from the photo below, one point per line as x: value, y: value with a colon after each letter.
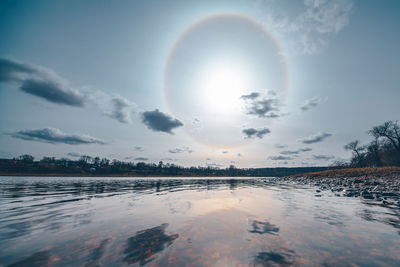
x: 355, y: 172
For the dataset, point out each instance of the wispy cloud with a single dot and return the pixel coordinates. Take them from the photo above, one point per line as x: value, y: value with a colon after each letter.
x: 121, y: 109
x: 319, y: 137
x: 311, y: 103
x: 56, y: 136
x: 180, y: 150
x: 138, y: 148
x: 280, y: 158
x: 141, y: 159
x: 160, y: 122
x: 74, y: 154
x: 312, y: 28
x: 252, y: 132
x: 280, y: 146
x: 323, y: 157
x: 295, y: 152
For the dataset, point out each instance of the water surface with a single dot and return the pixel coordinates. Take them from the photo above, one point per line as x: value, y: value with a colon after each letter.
x: 194, y: 222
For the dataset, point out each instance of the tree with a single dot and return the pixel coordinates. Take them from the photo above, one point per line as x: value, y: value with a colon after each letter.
x: 358, y: 154
x: 26, y: 158
x: 389, y: 133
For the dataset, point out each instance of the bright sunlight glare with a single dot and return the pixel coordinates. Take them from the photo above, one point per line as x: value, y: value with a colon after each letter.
x: 223, y: 87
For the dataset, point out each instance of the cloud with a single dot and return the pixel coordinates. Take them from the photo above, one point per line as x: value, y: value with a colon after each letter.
x: 262, y: 107
x: 121, y: 110
x: 40, y: 82
x: 141, y: 158
x: 160, y: 122
x: 313, y: 27
x: 180, y: 150
x: 170, y: 159
x: 225, y: 152
x: 319, y: 137
x: 323, y: 157
x: 310, y: 103
x: 74, y: 154
x: 295, y: 152
x: 138, y: 148
x: 280, y: 158
x: 251, y: 96
x: 320, y: 21
x: 239, y: 155
x: 251, y: 132
x: 44, y: 83
x: 281, y: 146
x: 55, y: 136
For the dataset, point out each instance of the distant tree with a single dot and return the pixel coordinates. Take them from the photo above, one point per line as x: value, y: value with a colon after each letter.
x: 48, y: 159
x: 104, y: 162
x: 96, y: 161
x: 26, y: 158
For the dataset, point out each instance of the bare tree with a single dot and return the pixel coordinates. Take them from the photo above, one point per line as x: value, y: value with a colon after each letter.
x: 358, y: 152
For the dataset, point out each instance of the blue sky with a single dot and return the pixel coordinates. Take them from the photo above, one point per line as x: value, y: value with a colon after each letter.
x: 249, y: 83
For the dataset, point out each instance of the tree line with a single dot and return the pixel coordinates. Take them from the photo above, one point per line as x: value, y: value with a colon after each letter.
x: 86, y: 165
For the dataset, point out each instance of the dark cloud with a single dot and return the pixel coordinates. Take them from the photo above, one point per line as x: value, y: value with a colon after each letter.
x: 280, y: 158
x: 40, y: 82
x: 295, y: 152
x: 180, y: 150
x: 122, y: 109
x: 225, y: 152
x: 251, y: 132
x: 14, y: 71
x: 310, y: 103
x: 53, y: 91
x: 160, y: 122
x: 55, y: 136
x: 319, y: 137
x: 138, y: 148
x: 141, y: 158
x: 46, y: 84
x: 253, y: 95
x: 323, y: 157
x: 267, y: 107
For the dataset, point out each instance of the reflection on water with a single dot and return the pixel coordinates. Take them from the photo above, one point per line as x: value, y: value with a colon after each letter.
x: 145, y: 244
x: 189, y: 222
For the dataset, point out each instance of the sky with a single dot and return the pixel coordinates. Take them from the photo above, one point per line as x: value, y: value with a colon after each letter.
x: 250, y: 83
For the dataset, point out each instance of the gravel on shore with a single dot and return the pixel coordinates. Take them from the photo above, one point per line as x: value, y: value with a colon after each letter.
x: 385, y: 190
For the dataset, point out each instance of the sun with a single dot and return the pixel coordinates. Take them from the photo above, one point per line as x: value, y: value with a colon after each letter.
x: 211, y: 65
x: 222, y: 87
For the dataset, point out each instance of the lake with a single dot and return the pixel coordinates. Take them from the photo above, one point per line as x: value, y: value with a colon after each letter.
x: 71, y: 221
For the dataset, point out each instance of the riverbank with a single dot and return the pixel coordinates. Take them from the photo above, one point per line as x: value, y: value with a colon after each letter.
x: 380, y: 184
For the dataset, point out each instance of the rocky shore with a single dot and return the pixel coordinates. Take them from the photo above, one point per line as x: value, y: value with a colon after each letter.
x: 378, y: 184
